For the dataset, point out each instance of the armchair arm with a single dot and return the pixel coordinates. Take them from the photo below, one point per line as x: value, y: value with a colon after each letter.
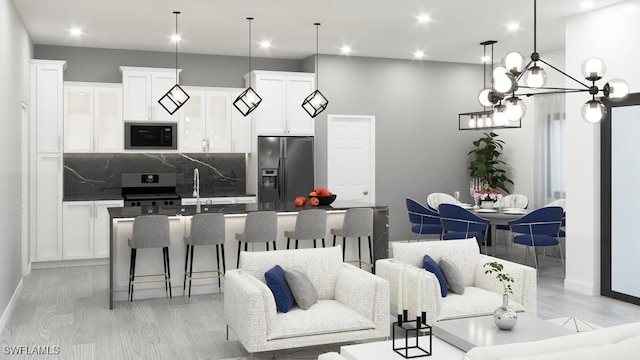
x: 524, y: 285
x: 365, y: 293
x: 390, y: 270
x: 248, y: 310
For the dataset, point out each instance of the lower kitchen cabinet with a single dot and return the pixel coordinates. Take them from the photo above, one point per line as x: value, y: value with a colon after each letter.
x: 85, y: 229
x: 48, y: 200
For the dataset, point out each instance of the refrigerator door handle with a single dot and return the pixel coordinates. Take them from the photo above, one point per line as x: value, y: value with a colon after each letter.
x: 282, y: 191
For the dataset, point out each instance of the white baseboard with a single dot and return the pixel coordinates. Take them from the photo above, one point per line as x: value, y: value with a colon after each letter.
x: 68, y: 263
x: 12, y: 303
x: 580, y: 287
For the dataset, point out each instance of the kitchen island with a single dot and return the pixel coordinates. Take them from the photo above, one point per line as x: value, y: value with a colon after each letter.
x: 150, y: 260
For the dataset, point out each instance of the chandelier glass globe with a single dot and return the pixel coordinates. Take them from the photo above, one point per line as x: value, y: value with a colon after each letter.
x: 593, y: 111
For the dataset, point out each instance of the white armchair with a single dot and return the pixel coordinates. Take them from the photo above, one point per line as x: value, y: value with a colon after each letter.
x: 482, y: 294
x: 352, y: 304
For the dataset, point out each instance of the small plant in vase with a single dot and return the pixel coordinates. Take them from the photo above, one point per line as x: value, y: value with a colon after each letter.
x: 487, y: 196
x: 504, y: 316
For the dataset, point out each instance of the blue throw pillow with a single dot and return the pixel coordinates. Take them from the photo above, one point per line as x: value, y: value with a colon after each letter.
x: 431, y: 266
x: 277, y: 282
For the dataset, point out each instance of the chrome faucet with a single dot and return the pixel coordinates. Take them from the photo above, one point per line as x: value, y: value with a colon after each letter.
x: 196, y: 188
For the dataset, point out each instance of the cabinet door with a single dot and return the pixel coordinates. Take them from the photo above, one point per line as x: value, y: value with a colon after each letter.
x: 240, y: 130
x: 271, y: 113
x: 298, y: 120
x: 77, y: 230
x: 218, y: 121
x: 49, y: 108
x: 246, y: 200
x: 192, y: 136
x: 78, y: 119
x: 101, y: 227
x: 161, y: 83
x: 48, y: 207
x: 107, y: 119
x: 136, y: 91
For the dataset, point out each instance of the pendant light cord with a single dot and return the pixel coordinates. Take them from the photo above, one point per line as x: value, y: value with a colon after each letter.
x: 535, y: 22
x: 317, y: 69
x: 177, y: 41
x: 250, y: 19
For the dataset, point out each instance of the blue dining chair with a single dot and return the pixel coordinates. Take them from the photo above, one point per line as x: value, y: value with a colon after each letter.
x: 423, y: 220
x: 459, y: 223
x: 538, y: 228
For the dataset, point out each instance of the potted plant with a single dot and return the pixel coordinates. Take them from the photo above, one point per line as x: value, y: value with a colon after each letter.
x: 487, y: 164
x: 487, y: 196
x: 504, y: 316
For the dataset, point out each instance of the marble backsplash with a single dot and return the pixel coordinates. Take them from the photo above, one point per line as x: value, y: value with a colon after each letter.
x: 97, y: 176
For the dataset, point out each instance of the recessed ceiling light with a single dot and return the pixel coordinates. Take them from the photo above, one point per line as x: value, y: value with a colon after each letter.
x: 76, y: 31
x: 346, y: 50
x: 176, y: 38
x: 418, y: 54
x: 424, y: 18
x: 513, y: 26
x: 265, y: 44
x: 586, y: 4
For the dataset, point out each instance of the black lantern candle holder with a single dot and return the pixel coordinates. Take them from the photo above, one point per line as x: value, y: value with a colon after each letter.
x: 412, y: 329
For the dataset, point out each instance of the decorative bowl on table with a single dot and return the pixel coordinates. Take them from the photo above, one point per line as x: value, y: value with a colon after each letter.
x: 326, y: 200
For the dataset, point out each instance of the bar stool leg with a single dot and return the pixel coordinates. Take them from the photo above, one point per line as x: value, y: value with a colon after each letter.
x: 132, y: 263
x: 288, y: 243
x: 190, y: 270
x: 370, y: 252
x: 164, y: 258
x: 186, y: 261
x: 344, y: 247
x: 169, y: 269
x: 224, y: 267
x: 359, y: 253
x: 218, y: 264
x: 334, y: 241
x: 238, y: 261
x: 323, y: 242
x: 274, y: 245
x: 314, y: 243
x: 267, y: 246
x: 296, y: 243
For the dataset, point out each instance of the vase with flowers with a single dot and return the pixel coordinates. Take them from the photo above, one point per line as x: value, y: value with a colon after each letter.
x: 504, y: 317
x: 487, y: 197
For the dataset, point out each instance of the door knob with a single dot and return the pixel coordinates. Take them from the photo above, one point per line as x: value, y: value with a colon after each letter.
x: 365, y: 192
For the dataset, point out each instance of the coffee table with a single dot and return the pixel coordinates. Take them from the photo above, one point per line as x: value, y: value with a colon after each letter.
x: 381, y: 350
x: 481, y: 331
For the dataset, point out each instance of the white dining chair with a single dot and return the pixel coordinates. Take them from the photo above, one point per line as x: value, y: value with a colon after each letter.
x: 435, y: 199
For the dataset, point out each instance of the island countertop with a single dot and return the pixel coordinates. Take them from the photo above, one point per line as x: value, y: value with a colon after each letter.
x: 188, y: 210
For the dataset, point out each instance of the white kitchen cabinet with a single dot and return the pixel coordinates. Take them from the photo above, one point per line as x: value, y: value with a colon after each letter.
x: 48, y: 196
x: 92, y: 118
x: 280, y: 112
x: 86, y: 229
x: 47, y: 104
x: 209, y: 122
x: 141, y: 90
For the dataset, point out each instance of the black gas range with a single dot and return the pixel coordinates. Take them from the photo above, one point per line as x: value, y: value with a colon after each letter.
x: 149, y: 189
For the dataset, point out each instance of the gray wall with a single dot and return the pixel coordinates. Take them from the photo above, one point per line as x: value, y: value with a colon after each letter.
x: 15, y: 52
x: 101, y: 65
x: 419, y: 148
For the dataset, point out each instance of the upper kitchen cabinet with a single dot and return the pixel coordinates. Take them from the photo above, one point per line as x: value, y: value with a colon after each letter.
x: 47, y: 104
x: 142, y: 88
x: 281, y: 112
x: 92, y: 117
x: 209, y: 122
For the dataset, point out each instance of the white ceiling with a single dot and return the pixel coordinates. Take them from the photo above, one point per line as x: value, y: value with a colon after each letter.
x: 373, y: 28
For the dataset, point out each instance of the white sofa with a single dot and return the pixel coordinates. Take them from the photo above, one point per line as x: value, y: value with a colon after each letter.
x: 352, y: 304
x: 482, y: 294
x: 616, y: 343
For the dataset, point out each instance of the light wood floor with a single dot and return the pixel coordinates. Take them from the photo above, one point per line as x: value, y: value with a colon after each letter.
x: 68, y: 308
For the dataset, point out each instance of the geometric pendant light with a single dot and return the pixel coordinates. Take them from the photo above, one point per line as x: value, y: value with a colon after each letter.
x: 176, y: 96
x: 315, y: 103
x: 248, y: 100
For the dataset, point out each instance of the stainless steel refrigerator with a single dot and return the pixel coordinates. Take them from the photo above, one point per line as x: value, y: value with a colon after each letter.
x: 285, y: 167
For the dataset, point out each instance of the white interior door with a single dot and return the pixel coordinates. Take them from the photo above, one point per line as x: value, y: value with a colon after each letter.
x: 351, y: 160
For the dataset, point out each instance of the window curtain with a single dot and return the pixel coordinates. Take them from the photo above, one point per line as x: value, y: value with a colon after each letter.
x: 550, y: 134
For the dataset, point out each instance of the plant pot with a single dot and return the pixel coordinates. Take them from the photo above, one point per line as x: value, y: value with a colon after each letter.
x: 505, y: 317
x: 487, y: 204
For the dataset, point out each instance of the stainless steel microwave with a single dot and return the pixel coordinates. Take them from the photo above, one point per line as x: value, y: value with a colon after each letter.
x: 150, y: 136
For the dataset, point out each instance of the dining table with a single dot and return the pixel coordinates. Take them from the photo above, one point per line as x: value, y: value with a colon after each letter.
x: 496, y: 216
